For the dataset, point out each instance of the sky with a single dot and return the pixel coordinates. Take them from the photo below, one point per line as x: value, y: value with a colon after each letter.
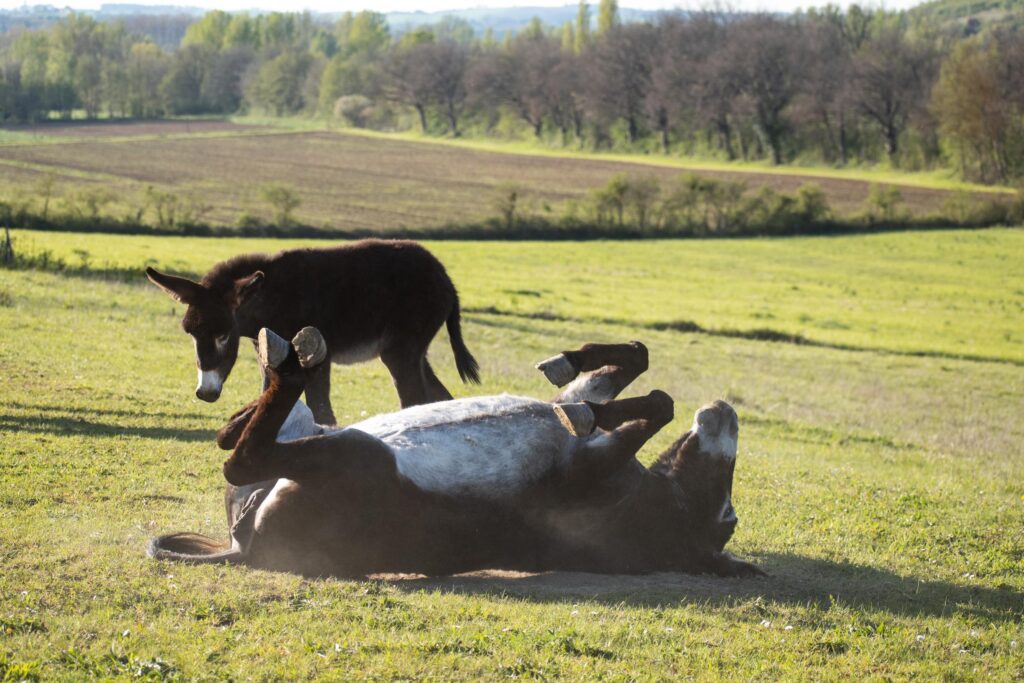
x: 440, y: 5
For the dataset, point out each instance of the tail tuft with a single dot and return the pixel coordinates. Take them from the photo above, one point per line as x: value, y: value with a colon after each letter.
x: 193, y: 549
x: 469, y: 369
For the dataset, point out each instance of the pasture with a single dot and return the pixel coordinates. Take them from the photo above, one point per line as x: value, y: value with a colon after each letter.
x: 350, y: 181
x: 880, y: 477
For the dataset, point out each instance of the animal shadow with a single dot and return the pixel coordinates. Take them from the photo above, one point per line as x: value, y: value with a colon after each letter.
x: 794, y: 579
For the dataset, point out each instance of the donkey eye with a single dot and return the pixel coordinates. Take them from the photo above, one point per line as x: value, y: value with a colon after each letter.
x: 223, y: 339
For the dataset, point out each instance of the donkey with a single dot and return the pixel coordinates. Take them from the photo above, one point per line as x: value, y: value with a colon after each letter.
x: 490, y: 482
x: 370, y: 298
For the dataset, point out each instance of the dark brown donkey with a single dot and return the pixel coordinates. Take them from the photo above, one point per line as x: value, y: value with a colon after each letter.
x: 488, y: 482
x: 369, y: 298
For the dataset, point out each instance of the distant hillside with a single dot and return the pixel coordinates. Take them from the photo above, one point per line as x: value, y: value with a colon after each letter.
x: 971, y: 15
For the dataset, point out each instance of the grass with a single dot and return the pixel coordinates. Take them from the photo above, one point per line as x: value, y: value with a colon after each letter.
x: 955, y: 293
x: 882, y: 491
x: 361, y: 181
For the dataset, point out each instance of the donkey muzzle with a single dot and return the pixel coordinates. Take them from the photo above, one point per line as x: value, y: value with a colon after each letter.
x: 210, y: 385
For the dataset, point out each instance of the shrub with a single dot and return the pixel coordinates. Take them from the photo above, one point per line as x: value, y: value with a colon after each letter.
x: 283, y: 201
x: 354, y: 109
x: 506, y: 203
x: 884, y: 205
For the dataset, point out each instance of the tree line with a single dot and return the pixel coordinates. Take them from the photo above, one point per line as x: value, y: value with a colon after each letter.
x: 828, y: 86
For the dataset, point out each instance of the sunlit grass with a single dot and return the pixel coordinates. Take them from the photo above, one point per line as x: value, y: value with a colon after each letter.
x: 884, y: 493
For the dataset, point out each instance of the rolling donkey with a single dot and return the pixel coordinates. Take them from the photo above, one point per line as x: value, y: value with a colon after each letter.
x: 489, y: 482
x: 369, y: 298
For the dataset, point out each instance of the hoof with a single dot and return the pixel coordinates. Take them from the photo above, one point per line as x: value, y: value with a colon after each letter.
x: 310, y: 346
x: 577, y: 418
x: 271, y: 349
x: 558, y: 369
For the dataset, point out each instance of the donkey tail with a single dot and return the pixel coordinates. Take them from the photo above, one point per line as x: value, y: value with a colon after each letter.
x: 469, y: 369
x: 193, y: 549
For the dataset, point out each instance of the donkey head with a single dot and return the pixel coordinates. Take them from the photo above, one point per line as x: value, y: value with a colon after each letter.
x: 210, y: 319
x: 700, y: 465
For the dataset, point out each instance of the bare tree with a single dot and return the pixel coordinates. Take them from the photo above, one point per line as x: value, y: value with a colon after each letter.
x: 893, y: 76
x: 768, y: 54
x: 619, y: 75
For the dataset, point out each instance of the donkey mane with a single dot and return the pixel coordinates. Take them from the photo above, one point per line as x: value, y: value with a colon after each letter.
x: 223, y: 275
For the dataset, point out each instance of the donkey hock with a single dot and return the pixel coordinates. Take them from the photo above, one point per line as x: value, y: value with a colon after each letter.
x: 490, y: 482
x: 370, y: 298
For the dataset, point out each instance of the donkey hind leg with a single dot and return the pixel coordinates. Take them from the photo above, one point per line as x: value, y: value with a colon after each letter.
x: 436, y: 391
x: 624, y: 426
x: 595, y: 372
x: 318, y: 395
x: 406, y: 368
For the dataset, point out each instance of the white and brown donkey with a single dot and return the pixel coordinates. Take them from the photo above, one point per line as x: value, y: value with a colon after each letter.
x: 489, y: 482
x: 371, y: 298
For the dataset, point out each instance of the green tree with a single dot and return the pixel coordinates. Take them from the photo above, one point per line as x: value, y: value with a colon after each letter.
x: 582, y: 36
x: 607, y: 16
x: 980, y: 109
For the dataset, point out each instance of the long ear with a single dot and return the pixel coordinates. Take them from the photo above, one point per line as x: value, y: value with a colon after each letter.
x: 180, y: 289
x: 246, y: 287
x: 671, y: 461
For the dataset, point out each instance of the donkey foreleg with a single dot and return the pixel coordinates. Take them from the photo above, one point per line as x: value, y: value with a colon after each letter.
x: 623, y: 427
x: 229, y: 434
x: 257, y: 445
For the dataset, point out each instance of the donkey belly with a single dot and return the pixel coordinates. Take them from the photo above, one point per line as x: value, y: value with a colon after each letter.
x: 491, y: 448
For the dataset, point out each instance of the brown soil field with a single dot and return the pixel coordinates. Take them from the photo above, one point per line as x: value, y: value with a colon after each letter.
x: 355, y: 182
x: 126, y: 128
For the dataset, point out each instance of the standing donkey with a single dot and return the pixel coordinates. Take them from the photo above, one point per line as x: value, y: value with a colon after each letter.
x: 489, y: 482
x: 372, y: 298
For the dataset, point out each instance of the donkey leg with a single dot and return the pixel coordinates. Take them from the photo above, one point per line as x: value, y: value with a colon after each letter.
x: 406, y: 370
x: 255, y: 447
x: 318, y: 395
x: 228, y: 435
x: 602, y: 370
x: 435, y: 390
x: 625, y: 426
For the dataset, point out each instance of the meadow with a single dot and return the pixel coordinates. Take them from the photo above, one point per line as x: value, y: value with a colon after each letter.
x: 880, y: 478
x: 367, y: 182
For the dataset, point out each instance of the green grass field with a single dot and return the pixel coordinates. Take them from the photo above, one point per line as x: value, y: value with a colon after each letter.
x: 883, y: 489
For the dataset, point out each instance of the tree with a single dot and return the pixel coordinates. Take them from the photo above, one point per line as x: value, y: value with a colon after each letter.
x: 582, y: 37
x: 620, y: 76
x: 768, y: 56
x: 278, y: 86
x: 607, y: 16
x: 892, y: 77
x: 981, y: 106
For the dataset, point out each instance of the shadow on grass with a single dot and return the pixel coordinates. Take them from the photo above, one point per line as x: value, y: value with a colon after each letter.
x: 118, y: 412
x: 56, y: 422
x: 795, y: 580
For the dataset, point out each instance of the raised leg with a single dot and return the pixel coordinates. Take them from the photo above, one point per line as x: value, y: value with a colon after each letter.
x: 318, y: 395
x: 622, y: 428
x: 406, y: 368
x: 435, y: 390
x: 228, y: 435
x: 258, y: 456
x: 595, y: 372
